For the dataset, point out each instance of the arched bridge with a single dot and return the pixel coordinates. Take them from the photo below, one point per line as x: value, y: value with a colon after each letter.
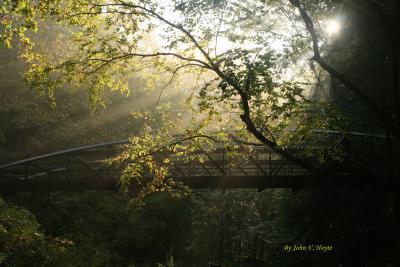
x: 85, y: 168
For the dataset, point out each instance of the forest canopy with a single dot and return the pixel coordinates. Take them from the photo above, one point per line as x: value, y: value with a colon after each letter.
x: 258, y: 72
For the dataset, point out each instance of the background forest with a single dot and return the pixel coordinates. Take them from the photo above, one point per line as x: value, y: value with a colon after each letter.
x: 59, y: 89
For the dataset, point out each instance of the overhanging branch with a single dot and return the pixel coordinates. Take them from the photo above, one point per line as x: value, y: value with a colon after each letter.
x: 376, y: 110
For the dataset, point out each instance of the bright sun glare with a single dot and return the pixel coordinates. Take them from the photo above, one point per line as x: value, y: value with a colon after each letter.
x: 333, y: 27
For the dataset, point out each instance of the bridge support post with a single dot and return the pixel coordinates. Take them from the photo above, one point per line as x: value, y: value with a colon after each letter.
x: 67, y: 170
x: 223, y: 160
x: 189, y: 165
x: 26, y: 170
x: 269, y: 164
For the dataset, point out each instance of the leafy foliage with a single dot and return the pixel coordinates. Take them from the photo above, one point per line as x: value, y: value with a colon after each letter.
x: 22, y: 242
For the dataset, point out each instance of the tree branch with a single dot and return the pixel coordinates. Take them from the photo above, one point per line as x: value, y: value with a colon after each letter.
x: 172, y: 78
x: 376, y: 110
x: 157, y: 54
x: 173, y: 25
